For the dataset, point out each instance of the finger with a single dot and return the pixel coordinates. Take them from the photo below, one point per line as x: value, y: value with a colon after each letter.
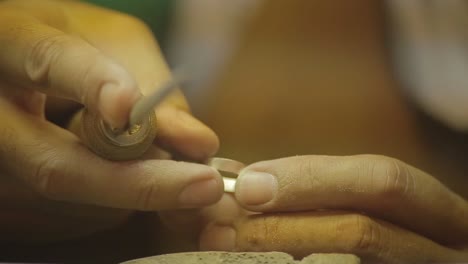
x: 379, y: 185
x: 133, y: 45
x: 29, y: 100
x: 190, y: 222
x: 180, y: 229
x: 182, y: 134
x: 301, y: 234
x: 53, y: 162
x: 179, y: 132
x: 37, y: 55
x: 156, y: 153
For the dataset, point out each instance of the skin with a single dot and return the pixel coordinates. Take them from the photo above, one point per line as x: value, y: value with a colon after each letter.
x: 377, y: 207
x: 55, y: 56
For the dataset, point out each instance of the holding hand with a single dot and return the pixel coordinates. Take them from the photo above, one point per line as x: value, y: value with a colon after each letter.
x: 375, y: 207
x: 77, y: 53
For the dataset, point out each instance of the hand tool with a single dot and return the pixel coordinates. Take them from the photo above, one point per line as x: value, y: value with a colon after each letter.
x: 132, y: 141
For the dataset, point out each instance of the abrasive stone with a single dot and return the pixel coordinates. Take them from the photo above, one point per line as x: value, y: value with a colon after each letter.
x: 244, y: 258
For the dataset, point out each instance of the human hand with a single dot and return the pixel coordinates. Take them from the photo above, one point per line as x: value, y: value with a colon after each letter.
x: 101, y: 59
x: 376, y: 207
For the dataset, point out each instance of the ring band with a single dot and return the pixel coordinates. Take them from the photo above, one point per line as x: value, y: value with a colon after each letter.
x: 230, y: 166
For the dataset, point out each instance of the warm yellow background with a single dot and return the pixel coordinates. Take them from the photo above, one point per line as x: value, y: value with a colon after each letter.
x: 314, y: 77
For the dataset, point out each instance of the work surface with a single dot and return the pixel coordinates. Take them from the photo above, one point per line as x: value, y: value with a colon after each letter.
x: 245, y: 258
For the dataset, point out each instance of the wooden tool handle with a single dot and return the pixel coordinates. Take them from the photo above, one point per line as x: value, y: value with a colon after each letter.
x: 110, y: 144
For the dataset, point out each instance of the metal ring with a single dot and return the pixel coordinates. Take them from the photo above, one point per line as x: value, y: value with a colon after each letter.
x: 230, y: 166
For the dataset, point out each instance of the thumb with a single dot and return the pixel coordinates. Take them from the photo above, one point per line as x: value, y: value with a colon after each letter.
x: 57, y: 64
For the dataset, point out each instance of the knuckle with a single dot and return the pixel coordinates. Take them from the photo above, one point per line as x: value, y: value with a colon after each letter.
x: 42, y: 55
x: 365, y: 236
x: 308, y: 171
x: 148, y: 195
x: 303, y: 166
x: 259, y: 233
x: 87, y: 81
x: 399, y: 181
x: 48, y: 176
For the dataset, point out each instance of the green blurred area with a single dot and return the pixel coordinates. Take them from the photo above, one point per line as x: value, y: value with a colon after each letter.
x: 155, y: 13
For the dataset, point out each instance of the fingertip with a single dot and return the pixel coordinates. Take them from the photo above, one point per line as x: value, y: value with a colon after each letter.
x: 202, y: 192
x: 255, y: 189
x: 116, y: 101
x: 202, y: 141
x: 218, y: 238
x: 183, y: 134
x: 109, y: 89
x: 258, y: 187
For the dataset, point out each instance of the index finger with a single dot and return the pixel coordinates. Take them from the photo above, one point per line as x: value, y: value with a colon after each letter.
x: 45, y: 58
x: 382, y: 186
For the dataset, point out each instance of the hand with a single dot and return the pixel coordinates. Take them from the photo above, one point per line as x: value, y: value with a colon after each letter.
x: 104, y: 60
x: 375, y: 207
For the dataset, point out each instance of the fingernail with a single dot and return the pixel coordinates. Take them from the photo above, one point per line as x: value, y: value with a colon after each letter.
x: 109, y: 92
x: 115, y: 102
x: 218, y: 238
x: 256, y: 188
x: 200, y: 193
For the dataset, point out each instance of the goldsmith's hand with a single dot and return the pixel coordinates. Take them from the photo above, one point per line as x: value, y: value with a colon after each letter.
x: 373, y: 206
x: 104, y: 60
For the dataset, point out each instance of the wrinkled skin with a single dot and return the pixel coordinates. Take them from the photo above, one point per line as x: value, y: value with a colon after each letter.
x: 376, y: 207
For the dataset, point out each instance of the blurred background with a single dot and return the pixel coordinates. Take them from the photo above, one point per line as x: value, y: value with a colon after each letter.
x: 325, y: 77
x: 331, y: 78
